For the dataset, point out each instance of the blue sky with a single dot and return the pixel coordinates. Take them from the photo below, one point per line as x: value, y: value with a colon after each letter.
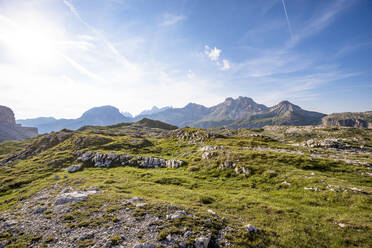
x: 61, y: 57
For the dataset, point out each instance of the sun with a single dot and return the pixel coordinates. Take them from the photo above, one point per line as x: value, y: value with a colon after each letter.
x: 32, y: 43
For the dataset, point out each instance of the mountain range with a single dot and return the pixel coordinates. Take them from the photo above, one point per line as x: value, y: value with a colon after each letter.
x: 232, y: 113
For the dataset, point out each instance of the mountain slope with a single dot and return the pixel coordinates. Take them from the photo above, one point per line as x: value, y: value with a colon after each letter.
x: 284, y: 113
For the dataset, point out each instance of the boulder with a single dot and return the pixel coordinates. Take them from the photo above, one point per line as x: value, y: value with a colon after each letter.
x: 177, y: 215
x: 74, y: 168
x: 202, y: 242
x: 250, y: 228
x: 208, y: 155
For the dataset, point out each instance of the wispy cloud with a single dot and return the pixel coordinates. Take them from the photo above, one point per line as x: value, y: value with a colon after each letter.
x: 111, y: 47
x: 352, y: 47
x: 320, y: 21
x: 287, y: 18
x: 171, y: 19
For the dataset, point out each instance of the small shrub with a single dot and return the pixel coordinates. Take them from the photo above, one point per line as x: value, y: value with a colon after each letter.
x: 206, y: 199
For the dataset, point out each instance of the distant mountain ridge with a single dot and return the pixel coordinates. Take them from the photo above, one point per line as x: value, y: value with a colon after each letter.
x: 97, y: 116
x: 242, y: 112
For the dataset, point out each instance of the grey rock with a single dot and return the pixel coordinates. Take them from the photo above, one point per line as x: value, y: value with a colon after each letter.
x: 136, y: 199
x: 177, y: 215
x: 250, y: 228
x: 140, y: 205
x: 56, y: 177
x: 72, y: 197
x: 4, y: 243
x: 40, y: 210
x: 145, y: 245
x: 74, y: 168
x: 202, y: 242
x: 8, y: 224
x: 87, y: 236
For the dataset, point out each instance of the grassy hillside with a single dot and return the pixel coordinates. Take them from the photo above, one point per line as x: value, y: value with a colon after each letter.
x: 294, y: 195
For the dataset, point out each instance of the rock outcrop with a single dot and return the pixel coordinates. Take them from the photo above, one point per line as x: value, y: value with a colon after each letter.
x: 9, y: 130
x: 98, y: 159
x: 359, y: 120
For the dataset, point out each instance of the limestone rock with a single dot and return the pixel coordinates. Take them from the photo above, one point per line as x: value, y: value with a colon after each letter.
x: 74, y: 168
x: 145, y: 245
x: 64, y: 198
x: 250, y: 228
x: 202, y: 242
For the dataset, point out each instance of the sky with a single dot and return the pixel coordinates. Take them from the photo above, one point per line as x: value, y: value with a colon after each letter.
x: 61, y: 57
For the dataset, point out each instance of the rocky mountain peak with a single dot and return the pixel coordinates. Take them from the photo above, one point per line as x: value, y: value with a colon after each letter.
x: 6, y: 116
x: 103, y: 110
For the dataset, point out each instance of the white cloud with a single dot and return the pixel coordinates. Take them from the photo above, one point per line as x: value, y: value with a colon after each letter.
x: 226, y: 65
x: 213, y: 54
x: 170, y: 19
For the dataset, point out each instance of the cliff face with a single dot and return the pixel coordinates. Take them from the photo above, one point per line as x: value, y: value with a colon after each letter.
x: 6, y: 116
x: 9, y: 130
x: 362, y: 119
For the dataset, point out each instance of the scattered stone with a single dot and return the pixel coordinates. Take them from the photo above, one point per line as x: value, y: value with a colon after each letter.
x: 286, y: 183
x: 202, y: 242
x: 74, y: 168
x: 341, y: 225
x: 40, y: 210
x: 177, y: 215
x: 206, y: 148
x: 250, y: 228
x: 136, y: 199
x: 8, y: 224
x: 326, y: 143
x: 72, y: 197
x: 4, y: 243
x: 140, y: 205
x: 311, y: 188
x: 208, y: 155
x: 145, y: 245
x: 56, y: 177
x: 87, y: 236
x: 211, y: 212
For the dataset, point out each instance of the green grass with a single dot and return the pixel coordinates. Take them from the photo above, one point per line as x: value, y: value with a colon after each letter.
x: 288, y: 216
